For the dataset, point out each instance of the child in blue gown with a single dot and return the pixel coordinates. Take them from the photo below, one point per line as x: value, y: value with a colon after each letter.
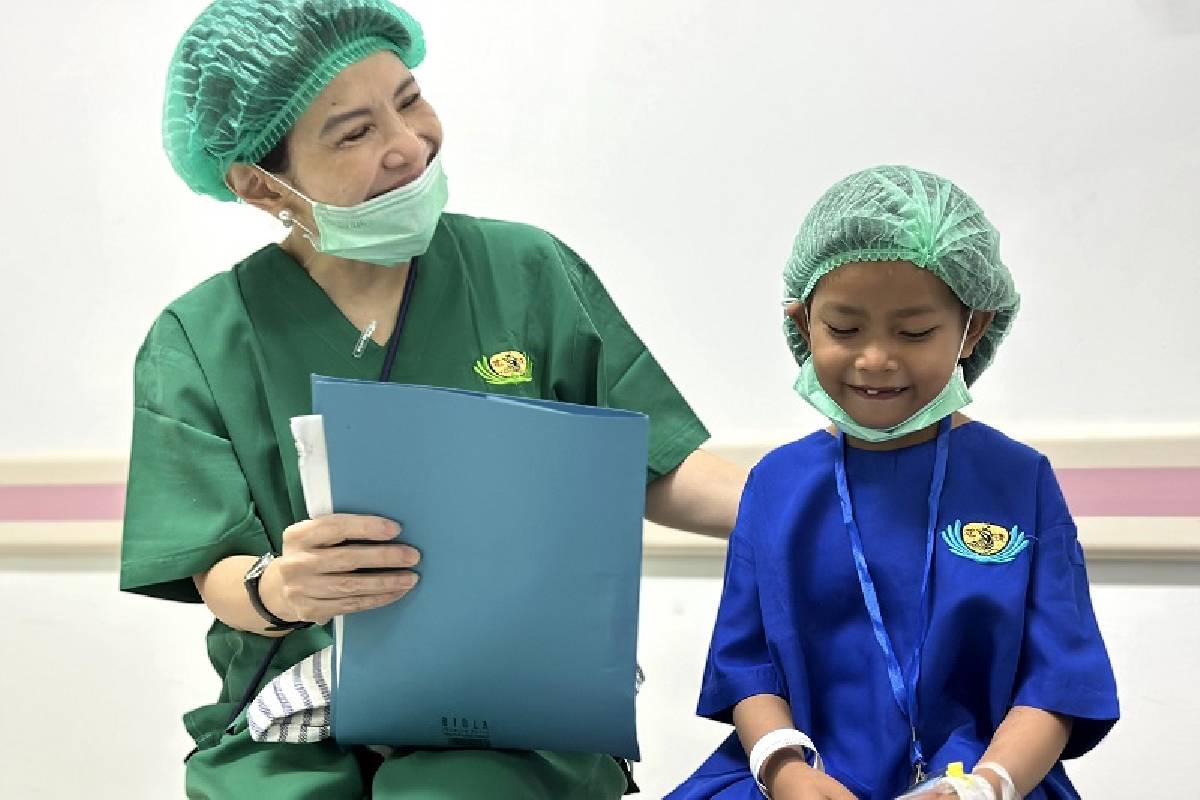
x: 904, y: 592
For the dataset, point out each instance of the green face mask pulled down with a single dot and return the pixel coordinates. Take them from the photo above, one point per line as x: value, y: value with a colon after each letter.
x: 387, y: 230
x: 953, y: 397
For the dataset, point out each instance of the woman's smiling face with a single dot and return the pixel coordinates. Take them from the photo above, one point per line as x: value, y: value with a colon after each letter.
x: 368, y: 132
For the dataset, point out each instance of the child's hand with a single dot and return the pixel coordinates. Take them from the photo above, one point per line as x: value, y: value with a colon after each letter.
x: 978, y: 788
x: 792, y: 779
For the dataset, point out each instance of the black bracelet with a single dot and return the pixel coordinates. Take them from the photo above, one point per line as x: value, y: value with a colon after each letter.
x: 253, y: 576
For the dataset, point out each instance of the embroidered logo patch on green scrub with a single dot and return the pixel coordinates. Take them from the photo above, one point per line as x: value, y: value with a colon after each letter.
x: 505, y: 368
x: 984, y: 542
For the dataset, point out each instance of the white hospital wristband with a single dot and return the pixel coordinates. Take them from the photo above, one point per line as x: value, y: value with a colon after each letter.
x: 972, y: 786
x: 772, y: 743
x: 1008, y: 789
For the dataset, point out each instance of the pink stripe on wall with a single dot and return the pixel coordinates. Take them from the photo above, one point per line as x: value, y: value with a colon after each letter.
x: 1127, y: 492
x: 80, y: 502
x: 1123, y: 492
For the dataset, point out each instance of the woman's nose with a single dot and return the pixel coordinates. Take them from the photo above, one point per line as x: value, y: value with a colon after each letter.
x: 405, y: 147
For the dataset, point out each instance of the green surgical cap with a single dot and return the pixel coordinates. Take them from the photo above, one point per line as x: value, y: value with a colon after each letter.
x: 896, y: 213
x: 247, y: 69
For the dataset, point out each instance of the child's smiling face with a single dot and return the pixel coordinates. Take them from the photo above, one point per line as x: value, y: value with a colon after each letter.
x: 884, y: 338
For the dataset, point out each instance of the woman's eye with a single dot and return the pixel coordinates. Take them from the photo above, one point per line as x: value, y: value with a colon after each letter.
x: 356, y: 134
x: 840, y: 332
x: 410, y: 101
x: 918, y: 335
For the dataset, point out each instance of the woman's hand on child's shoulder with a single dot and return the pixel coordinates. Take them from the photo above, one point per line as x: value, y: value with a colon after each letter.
x: 792, y: 779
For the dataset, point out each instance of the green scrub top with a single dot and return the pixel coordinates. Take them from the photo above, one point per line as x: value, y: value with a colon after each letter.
x: 225, y: 367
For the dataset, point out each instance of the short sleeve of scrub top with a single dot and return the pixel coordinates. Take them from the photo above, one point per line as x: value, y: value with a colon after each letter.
x: 626, y: 375
x: 1061, y: 669
x: 187, y: 502
x: 739, y: 662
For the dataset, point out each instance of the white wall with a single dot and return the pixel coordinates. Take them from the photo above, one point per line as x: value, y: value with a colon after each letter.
x: 98, y: 681
x: 676, y: 144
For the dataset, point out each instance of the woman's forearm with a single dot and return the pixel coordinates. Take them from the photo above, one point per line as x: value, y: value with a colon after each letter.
x: 223, y: 590
x: 701, y: 495
x: 1028, y: 743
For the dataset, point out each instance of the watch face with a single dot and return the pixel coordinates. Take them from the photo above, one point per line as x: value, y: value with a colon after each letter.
x: 257, y: 570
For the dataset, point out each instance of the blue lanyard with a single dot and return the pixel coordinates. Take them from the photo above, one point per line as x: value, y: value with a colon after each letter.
x: 904, y: 692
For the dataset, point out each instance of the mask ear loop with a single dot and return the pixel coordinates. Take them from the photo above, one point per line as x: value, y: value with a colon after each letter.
x: 287, y: 217
x: 289, y: 220
x: 966, y: 330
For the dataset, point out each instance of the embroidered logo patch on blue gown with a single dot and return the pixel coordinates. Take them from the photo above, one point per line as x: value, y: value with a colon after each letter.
x: 983, y: 542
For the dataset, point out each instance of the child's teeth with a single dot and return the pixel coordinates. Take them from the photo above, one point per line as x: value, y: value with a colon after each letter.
x: 872, y: 391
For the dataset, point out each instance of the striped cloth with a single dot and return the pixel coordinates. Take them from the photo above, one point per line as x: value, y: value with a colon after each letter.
x: 295, y: 706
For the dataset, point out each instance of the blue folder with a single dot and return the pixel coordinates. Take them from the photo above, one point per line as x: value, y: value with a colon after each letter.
x: 522, y: 632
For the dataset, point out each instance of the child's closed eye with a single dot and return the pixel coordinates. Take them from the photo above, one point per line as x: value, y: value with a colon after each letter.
x: 918, y: 335
x: 839, y: 333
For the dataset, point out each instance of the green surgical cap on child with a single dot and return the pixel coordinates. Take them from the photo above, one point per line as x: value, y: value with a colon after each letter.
x: 896, y: 213
x: 247, y: 69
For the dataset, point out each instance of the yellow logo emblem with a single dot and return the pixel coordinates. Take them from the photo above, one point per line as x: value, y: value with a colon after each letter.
x: 983, y: 539
x: 984, y: 542
x: 505, y: 368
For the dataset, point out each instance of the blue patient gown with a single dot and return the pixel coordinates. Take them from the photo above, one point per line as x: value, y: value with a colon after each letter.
x: 1010, y: 628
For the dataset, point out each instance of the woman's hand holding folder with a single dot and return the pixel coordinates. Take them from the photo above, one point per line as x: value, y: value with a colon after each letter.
x: 338, y: 564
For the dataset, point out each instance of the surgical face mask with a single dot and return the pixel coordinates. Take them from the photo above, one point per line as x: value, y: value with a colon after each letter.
x: 386, y: 230
x: 953, y: 397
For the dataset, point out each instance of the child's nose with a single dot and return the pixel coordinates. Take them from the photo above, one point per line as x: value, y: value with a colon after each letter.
x: 874, y: 358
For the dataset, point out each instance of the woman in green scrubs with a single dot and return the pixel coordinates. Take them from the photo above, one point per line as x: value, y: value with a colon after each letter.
x: 307, y: 110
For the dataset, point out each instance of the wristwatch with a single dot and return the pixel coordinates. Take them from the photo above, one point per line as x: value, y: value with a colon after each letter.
x: 253, y: 575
